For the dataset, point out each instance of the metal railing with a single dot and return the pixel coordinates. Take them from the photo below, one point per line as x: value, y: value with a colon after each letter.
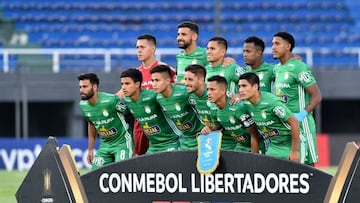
x: 108, y: 54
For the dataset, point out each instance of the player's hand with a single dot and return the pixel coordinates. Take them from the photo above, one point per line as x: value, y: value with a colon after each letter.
x: 227, y: 61
x: 206, y: 130
x: 301, y: 115
x: 90, y: 156
x: 294, y: 156
x: 235, y: 98
x: 120, y: 93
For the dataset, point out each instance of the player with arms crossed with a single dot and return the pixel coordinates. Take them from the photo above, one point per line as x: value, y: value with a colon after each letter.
x: 161, y: 131
x: 174, y: 100
x: 296, y: 86
x: 101, y: 111
x: 272, y: 117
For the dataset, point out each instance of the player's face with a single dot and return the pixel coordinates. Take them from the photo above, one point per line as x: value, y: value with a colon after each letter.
x: 129, y: 87
x: 160, y: 82
x: 246, y: 90
x: 144, y: 49
x: 86, y: 89
x: 215, y: 91
x: 214, y: 52
x: 192, y: 82
x: 185, y: 37
x: 251, y: 53
x: 279, y: 47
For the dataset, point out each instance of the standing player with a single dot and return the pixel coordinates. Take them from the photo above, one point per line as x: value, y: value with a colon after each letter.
x: 272, y: 117
x: 234, y: 119
x: 101, y: 111
x: 174, y: 100
x: 216, y: 50
x: 296, y: 86
x: 146, y: 48
x: 195, y: 83
x: 143, y: 105
x: 187, y: 36
x: 253, y: 50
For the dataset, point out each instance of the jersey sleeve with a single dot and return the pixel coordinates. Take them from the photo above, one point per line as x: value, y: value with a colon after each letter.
x: 243, y: 115
x: 304, y: 75
x: 281, y: 111
x: 238, y: 72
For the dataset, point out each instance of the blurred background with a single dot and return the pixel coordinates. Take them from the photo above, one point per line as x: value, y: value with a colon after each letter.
x: 44, y: 45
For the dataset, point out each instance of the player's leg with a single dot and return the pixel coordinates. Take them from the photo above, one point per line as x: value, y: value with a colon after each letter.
x: 308, y: 128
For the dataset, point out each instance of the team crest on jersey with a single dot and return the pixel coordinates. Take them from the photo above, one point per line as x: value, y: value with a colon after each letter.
x: 131, y: 111
x: 286, y: 75
x: 263, y: 114
x: 252, y: 114
x: 147, y: 109
x: 304, y: 77
x: 261, y: 75
x: 177, y: 107
x: 232, y: 119
x: 280, y: 111
x: 105, y: 112
x: 194, y: 61
x: 88, y: 114
x: 221, y: 73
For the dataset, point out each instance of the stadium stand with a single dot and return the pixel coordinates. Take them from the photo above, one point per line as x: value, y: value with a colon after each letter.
x: 115, y: 24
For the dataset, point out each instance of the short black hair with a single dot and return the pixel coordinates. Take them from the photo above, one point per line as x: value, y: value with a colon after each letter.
x: 162, y: 68
x: 191, y: 25
x: 252, y: 78
x: 197, y: 69
x: 89, y: 76
x: 258, y: 42
x: 287, y: 37
x: 132, y: 73
x: 220, y: 40
x: 219, y: 79
x: 148, y: 37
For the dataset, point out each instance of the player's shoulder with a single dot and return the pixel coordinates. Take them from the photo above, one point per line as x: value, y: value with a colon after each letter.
x: 296, y: 63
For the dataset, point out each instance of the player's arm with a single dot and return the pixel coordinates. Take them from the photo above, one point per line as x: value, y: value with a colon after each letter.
x: 315, y: 97
x: 91, y: 142
x: 295, y: 132
x: 255, y: 137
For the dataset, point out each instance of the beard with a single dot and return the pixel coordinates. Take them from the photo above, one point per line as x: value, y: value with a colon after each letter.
x: 87, y: 96
x: 184, y: 44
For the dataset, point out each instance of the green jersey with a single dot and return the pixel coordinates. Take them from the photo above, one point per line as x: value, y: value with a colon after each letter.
x: 291, y: 79
x: 270, y: 115
x: 231, y: 72
x: 198, y: 56
x: 161, y: 131
x: 266, y: 75
x: 201, y: 105
x: 234, y: 120
x: 178, y: 108
x: 106, y: 117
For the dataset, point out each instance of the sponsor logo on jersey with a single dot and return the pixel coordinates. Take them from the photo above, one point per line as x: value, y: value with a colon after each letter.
x: 194, y: 61
x: 270, y: 132
x: 184, y: 126
x: 261, y: 75
x: 239, y: 138
x: 283, y: 98
x: 233, y: 127
x: 151, y: 130
x: 104, y: 101
x: 102, y: 122
x: 148, y: 118
x: 103, y: 132
x: 286, y: 75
